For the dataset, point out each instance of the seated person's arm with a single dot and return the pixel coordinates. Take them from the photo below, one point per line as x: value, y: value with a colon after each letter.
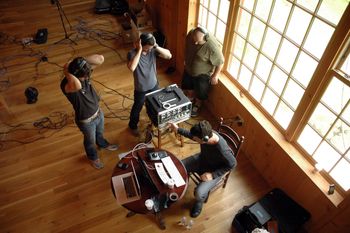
x: 180, y: 131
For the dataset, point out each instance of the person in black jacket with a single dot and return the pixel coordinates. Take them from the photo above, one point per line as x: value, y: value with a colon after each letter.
x: 81, y: 94
x: 211, y: 163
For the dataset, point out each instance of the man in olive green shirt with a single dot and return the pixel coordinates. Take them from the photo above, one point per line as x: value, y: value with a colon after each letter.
x: 203, y: 62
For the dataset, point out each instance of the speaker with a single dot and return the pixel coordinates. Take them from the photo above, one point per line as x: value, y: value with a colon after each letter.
x: 204, y: 132
x: 204, y: 31
x: 147, y: 39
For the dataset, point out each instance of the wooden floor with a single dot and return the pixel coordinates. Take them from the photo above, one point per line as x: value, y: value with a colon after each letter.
x: 46, y: 183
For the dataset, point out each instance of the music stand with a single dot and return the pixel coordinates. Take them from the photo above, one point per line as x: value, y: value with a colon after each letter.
x: 61, y: 12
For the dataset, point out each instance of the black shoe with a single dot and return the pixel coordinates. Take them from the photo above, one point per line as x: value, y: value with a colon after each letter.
x: 196, y: 209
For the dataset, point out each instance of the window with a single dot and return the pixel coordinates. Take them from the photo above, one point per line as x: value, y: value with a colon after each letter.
x: 213, y: 16
x: 277, y: 48
x: 326, y: 137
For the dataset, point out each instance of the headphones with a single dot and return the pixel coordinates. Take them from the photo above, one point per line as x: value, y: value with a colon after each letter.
x: 32, y: 95
x: 203, y: 131
x: 147, y: 39
x: 204, y: 31
x: 79, y: 67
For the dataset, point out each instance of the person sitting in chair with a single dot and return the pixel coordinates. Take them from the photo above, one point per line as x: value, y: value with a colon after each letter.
x: 211, y: 163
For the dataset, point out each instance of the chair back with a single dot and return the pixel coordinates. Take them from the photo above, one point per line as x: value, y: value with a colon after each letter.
x: 233, y: 140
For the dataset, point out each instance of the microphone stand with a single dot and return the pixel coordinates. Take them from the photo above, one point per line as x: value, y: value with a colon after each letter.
x: 61, y: 12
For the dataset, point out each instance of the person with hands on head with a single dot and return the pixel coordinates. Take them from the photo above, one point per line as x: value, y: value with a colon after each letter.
x: 81, y: 94
x: 142, y: 62
x: 211, y: 163
x: 203, y: 62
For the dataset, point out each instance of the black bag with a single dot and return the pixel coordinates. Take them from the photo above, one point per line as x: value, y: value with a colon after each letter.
x: 245, y: 221
x: 119, y: 7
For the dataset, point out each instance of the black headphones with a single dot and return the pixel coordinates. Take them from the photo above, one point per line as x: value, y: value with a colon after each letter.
x: 147, y: 39
x: 204, y: 31
x: 203, y: 131
x: 79, y: 67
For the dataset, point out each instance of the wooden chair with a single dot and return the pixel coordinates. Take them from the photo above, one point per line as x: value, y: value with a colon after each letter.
x: 235, y: 142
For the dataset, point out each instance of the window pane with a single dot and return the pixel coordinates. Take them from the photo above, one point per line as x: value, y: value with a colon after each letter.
x: 346, y: 115
x: 257, y: 88
x: 205, y: 3
x: 315, y: 43
x: 309, y: 4
x: 245, y: 76
x: 213, y: 7
x: 223, y: 11
x: 298, y: 24
x: 346, y: 66
x: 257, y: 32
x: 322, y: 119
x: 243, y: 24
x: 286, y: 55
x: 220, y: 31
x: 341, y: 174
x: 326, y: 156
x: 280, y: 14
x: 278, y: 80
x: 309, y: 139
x: 293, y: 94
x: 304, y: 69
x: 283, y: 115
x: 333, y: 10
x: 203, y: 16
x: 271, y: 43
x: 263, y: 9
x: 248, y: 4
x: 250, y: 56
x: 234, y: 67
x: 269, y: 101
x: 339, y: 136
x: 238, y: 47
x: 264, y: 67
x: 336, y: 95
x: 211, y: 23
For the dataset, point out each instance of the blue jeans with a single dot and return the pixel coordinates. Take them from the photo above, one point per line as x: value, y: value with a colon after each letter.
x: 139, y: 100
x: 93, y: 134
x: 192, y: 164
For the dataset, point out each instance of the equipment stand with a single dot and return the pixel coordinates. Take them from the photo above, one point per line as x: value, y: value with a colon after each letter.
x: 61, y: 12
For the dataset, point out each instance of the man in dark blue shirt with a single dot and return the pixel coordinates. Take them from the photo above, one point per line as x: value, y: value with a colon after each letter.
x: 211, y: 163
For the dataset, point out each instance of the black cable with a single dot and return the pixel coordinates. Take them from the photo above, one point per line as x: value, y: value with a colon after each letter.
x: 56, y: 121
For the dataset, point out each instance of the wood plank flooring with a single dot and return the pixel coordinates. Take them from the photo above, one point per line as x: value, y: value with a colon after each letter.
x: 46, y: 184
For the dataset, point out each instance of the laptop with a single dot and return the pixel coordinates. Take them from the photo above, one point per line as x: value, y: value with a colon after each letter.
x: 126, y: 187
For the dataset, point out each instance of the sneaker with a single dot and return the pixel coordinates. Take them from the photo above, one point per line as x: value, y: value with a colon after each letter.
x: 97, y: 164
x: 195, y: 110
x: 135, y: 132
x: 112, y: 147
x: 196, y: 209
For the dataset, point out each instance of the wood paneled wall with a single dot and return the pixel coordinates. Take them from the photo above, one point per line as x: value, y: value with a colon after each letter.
x: 277, y: 166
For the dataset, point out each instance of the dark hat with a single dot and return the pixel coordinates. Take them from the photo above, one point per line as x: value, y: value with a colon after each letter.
x: 32, y: 95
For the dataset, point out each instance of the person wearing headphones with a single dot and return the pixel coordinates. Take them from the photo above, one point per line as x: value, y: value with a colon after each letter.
x: 203, y: 62
x: 211, y: 163
x: 81, y: 94
x: 142, y: 63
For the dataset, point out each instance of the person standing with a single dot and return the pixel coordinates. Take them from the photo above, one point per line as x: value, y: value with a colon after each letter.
x: 142, y: 62
x: 89, y: 116
x: 203, y: 62
x: 211, y: 163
